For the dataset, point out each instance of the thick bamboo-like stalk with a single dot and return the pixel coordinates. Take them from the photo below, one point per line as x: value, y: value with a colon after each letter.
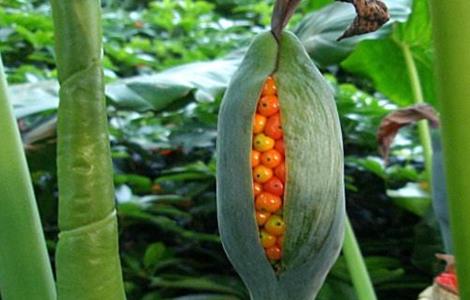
x: 451, y: 26
x: 25, y: 270
x: 87, y: 258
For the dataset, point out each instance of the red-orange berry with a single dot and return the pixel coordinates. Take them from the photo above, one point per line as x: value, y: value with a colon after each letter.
x: 273, y: 127
x: 279, y: 146
x: 262, y: 143
x: 271, y: 158
x: 274, y: 253
x: 259, y: 123
x: 269, y: 87
x: 280, y: 172
x: 268, y: 202
x: 268, y: 106
x: 257, y: 188
x: 261, y: 174
x: 275, y: 225
x: 262, y: 217
x: 274, y: 186
x: 255, y: 158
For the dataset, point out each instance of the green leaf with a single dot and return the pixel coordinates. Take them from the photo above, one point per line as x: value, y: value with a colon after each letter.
x: 336, y: 289
x: 33, y: 98
x: 153, y: 254
x: 198, y: 284
x: 412, y: 198
x: 319, y: 30
x: 207, y: 297
x: 202, y: 81
x: 316, y: 4
x: 383, y: 60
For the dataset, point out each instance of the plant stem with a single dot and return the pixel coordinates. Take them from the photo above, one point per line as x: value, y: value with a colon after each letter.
x: 423, y: 126
x: 356, y: 265
x: 87, y: 255
x: 451, y: 25
x: 25, y: 270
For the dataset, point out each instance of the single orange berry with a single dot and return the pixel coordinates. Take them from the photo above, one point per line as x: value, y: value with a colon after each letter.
x: 273, y: 127
x: 262, y: 217
x: 255, y: 158
x: 268, y: 202
x: 271, y: 158
x: 268, y: 106
x: 269, y: 87
x: 259, y: 123
x: 274, y: 186
x: 275, y: 225
x: 257, y: 188
x: 279, y: 146
x: 263, y: 143
x: 274, y: 253
x: 267, y: 240
x: 261, y: 174
x: 280, y: 172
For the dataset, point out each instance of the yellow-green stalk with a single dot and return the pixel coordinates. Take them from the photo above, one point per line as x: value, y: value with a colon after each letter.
x: 87, y: 258
x: 451, y: 25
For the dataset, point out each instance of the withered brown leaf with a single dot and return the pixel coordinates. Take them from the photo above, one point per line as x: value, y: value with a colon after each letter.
x: 371, y: 15
x: 392, y: 123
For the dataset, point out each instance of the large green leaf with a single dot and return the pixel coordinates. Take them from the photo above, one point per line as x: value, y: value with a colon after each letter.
x: 31, y: 98
x: 383, y: 60
x: 319, y: 30
x: 316, y: 4
x: 202, y: 81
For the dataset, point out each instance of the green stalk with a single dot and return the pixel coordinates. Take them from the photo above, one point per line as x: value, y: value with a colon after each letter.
x: 451, y: 25
x: 418, y: 98
x: 87, y: 258
x: 356, y: 265
x: 25, y: 270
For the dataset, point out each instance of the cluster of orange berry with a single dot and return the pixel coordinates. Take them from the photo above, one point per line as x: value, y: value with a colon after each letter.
x: 267, y: 161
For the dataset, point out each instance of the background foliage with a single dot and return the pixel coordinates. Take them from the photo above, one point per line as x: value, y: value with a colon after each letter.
x: 163, y: 132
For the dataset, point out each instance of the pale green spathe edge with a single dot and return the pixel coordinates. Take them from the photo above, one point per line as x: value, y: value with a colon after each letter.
x: 314, y: 210
x: 315, y: 219
x: 235, y: 205
x: 25, y: 270
x: 451, y: 28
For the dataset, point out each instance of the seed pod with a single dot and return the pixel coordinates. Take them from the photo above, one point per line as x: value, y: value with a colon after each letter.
x: 313, y: 208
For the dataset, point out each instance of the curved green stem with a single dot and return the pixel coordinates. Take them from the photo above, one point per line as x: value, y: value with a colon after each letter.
x: 451, y: 25
x: 25, y: 270
x: 356, y: 265
x: 418, y: 98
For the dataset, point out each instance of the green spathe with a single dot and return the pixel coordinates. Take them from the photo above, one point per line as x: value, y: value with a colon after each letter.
x: 314, y: 199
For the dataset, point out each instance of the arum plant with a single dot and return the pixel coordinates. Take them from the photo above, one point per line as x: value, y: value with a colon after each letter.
x: 87, y: 259
x: 25, y: 271
x: 451, y: 21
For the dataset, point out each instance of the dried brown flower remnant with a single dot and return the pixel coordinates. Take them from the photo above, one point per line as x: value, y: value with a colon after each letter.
x: 371, y: 15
